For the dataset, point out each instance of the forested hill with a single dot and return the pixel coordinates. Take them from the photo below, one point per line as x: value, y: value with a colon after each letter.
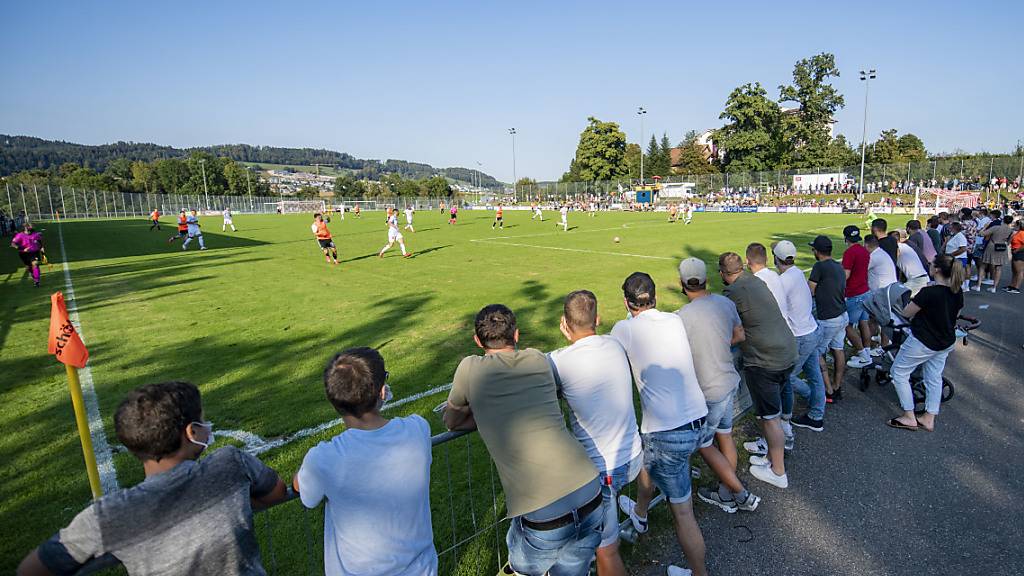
x: 18, y: 153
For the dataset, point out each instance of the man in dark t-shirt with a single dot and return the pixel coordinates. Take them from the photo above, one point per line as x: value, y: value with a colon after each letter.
x: 879, y: 228
x: 828, y: 285
x: 188, y: 517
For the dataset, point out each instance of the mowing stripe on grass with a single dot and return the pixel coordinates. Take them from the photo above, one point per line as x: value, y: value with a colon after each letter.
x: 254, y: 444
x: 502, y: 243
x: 100, y: 446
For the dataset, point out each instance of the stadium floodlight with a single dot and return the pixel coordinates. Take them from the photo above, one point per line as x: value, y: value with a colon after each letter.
x: 640, y: 111
x: 865, y: 77
x: 515, y: 194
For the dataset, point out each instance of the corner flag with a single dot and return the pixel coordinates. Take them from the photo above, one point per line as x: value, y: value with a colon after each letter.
x: 65, y: 343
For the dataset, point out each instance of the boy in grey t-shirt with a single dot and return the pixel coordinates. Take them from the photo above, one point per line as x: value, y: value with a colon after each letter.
x: 187, y: 517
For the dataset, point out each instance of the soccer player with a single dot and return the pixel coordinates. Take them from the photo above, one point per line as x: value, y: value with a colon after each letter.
x: 192, y: 226
x: 498, y: 221
x: 453, y: 215
x: 408, y: 219
x: 182, y: 227
x: 537, y: 212
x: 323, y: 237
x: 565, y: 217
x: 593, y: 209
x: 29, y: 245
x: 154, y: 217
x: 442, y: 207
x: 357, y: 211
x: 227, y: 221
x: 673, y: 213
x: 689, y: 213
x: 395, y: 235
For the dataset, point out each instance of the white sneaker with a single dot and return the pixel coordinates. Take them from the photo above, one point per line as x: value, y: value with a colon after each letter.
x: 760, y: 446
x: 674, y: 570
x: 765, y: 474
x: 628, y: 506
x: 758, y: 460
x: 858, y: 362
x: 992, y: 290
x: 876, y: 338
x: 976, y: 288
x: 876, y: 352
x: 974, y: 278
x: 988, y: 282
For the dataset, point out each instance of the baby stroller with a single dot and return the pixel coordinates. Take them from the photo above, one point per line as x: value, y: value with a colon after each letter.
x: 886, y: 306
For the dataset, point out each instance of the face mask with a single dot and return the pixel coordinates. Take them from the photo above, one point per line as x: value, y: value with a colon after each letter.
x: 209, y: 437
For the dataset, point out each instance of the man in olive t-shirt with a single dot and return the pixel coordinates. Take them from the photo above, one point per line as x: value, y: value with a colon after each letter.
x: 552, y: 490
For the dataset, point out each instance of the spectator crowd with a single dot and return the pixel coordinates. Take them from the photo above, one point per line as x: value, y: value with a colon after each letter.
x: 770, y: 327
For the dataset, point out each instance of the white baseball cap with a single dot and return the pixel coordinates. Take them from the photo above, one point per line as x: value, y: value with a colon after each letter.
x: 784, y: 249
x: 693, y: 269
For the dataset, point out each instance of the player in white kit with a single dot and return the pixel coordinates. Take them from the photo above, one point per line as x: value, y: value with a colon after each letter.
x: 227, y: 221
x: 593, y: 209
x: 565, y: 217
x: 394, y: 235
x: 689, y: 213
x: 193, y: 231
x: 408, y: 219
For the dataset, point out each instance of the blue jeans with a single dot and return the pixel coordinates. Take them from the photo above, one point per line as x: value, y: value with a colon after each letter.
x: 833, y: 333
x: 807, y: 361
x: 564, y: 551
x: 620, y: 477
x: 667, y: 459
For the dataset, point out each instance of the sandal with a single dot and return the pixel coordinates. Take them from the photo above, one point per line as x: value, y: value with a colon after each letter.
x: 925, y: 428
x: 894, y: 423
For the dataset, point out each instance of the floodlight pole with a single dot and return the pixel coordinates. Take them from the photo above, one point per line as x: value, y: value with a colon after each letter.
x: 202, y: 164
x: 866, y: 77
x: 249, y: 186
x: 640, y: 112
x: 515, y: 194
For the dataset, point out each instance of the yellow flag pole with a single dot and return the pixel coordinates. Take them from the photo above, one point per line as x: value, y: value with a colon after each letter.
x: 83, y: 431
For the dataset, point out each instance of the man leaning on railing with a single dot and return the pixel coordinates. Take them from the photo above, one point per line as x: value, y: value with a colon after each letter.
x: 552, y: 490
x: 188, y: 517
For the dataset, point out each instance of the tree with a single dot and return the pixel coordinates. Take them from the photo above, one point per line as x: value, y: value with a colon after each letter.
x: 437, y: 187
x: 631, y: 159
x: 750, y: 137
x: 144, y: 176
x: 807, y: 130
x: 600, y: 154
x: 691, y: 158
x: 885, y: 150
x: 912, y: 148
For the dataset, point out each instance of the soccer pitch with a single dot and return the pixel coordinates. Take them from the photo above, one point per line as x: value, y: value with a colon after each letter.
x: 253, y: 319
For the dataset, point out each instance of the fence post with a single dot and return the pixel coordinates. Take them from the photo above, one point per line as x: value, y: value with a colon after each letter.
x: 10, y: 205
x: 96, y: 203
x: 39, y: 207
x: 49, y: 197
x: 24, y: 206
x: 63, y: 208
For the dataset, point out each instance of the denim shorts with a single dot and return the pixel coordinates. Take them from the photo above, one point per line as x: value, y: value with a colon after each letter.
x: 718, y: 420
x: 855, y: 308
x: 564, y: 551
x: 833, y: 333
x: 667, y: 459
x: 620, y: 477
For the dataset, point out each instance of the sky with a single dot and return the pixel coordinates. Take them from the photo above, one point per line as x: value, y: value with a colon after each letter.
x: 442, y: 82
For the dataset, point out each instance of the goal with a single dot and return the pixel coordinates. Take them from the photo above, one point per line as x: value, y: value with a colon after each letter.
x: 298, y: 206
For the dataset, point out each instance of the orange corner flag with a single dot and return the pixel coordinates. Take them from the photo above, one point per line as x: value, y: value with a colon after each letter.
x: 65, y: 343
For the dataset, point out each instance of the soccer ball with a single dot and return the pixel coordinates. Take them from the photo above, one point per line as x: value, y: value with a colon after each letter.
x: 616, y: 239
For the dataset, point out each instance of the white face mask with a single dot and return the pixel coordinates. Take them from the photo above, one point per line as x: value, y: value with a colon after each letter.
x: 209, y: 437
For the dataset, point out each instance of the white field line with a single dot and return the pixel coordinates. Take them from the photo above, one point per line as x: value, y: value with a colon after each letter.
x: 255, y: 445
x: 100, y: 446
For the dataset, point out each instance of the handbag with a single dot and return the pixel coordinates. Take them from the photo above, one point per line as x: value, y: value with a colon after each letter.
x: 999, y: 246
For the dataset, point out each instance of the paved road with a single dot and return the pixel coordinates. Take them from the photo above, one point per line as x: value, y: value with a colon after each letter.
x: 866, y: 499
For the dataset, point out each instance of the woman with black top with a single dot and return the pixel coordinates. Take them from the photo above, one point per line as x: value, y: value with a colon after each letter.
x: 932, y: 313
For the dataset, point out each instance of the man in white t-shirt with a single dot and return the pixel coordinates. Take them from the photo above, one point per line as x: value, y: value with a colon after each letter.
x: 192, y: 221
x: 227, y: 221
x: 673, y: 411
x: 757, y: 262
x: 881, y: 271
x: 712, y: 327
x: 593, y: 376
x: 565, y: 217
x: 957, y: 247
x: 909, y: 262
x: 800, y: 318
x: 375, y: 476
x: 394, y: 235
x: 408, y: 219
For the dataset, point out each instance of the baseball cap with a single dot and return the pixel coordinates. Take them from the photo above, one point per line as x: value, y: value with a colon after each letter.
x: 851, y: 233
x: 822, y: 244
x: 784, y: 249
x: 693, y: 272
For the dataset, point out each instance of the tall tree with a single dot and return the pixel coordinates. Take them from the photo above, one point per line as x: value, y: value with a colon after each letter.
x: 912, y: 148
x: 750, y: 136
x: 600, y: 154
x: 631, y: 160
x: 692, y: 159
x: 807, y: 130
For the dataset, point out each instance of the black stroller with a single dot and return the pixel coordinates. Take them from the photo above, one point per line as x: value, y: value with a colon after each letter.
x: 886, y: 306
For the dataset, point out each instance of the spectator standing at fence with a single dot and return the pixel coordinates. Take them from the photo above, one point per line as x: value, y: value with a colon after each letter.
x: 997, y: 248
x: 552, y: 490
x: 800, y: 318
x: 879, y: 229
x: 1017, y: 258
x: 828, y: 286
x: 932, y: 313
x: 969, y: 227
x: 673, y: 412
x: 856, y: 260
x: 881, y: 271
x: 593, y: 376
x: 712, y: 328
x: 909, y: 263
x: 375, y: 476
x: 920, y: 243
x: 935, y: 235
x: 188, y: 517
x: 769, y: 352
x: 958, y: 247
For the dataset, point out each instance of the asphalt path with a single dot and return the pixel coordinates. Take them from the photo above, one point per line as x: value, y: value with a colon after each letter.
x: 865, y: 499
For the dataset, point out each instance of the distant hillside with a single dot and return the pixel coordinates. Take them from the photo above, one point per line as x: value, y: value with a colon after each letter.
x: 18, y: 153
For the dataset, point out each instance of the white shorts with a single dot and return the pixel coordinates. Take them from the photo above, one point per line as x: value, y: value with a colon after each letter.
x: 394, y: 235
x: 408, y: 221
x: 227, y: 220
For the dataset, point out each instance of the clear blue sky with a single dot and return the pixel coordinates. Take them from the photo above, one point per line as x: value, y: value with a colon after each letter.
x: 442, y: 82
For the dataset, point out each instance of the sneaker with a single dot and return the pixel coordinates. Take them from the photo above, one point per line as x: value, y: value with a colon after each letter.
x: 760, y: 460
x: 628, y: 506
x: 992, y: 290
x: 1011, y: 290
x: 760, y: 446
x: 409, y: 255
x: 876, y: 338
x: 975, y: 288
x: 750, y: 504
x: 765, y: 474
x: 858, y: 362
x: 875, y: 352
x: 789, y: 444
x: 715, y: 499
x: 805, y: 421
x: 974, y: 278
x: 988, y: 282
x: 202, y: 247
x: 674, y: 570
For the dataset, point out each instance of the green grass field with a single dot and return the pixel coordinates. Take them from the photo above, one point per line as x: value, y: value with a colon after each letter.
x: 252, y: 320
